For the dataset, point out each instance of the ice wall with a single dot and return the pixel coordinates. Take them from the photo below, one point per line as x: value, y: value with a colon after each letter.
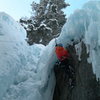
x: 85, y: 24
x: 15, y: 54
x: 82, y: 25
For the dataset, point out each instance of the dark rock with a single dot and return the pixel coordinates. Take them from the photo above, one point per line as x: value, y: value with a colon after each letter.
x: 85, y: 86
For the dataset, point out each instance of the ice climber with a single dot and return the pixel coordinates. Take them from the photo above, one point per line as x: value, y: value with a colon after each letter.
x: 61, y: 52
x: 64, y: 61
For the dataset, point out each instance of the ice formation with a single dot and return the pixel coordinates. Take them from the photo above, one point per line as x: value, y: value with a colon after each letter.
x: 25, y: 72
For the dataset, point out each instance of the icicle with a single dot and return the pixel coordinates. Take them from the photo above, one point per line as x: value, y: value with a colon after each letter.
x: 78, y: 49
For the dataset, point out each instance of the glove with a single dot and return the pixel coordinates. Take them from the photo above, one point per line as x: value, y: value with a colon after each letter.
x: 58, y: 62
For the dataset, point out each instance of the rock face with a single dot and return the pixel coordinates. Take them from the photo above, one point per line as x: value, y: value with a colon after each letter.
x: 86, y: 87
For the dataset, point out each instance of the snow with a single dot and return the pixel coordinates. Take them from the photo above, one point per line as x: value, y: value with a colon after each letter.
x: 26, y: 73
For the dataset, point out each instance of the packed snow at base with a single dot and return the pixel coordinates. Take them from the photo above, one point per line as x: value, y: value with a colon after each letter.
x: 27, y: 72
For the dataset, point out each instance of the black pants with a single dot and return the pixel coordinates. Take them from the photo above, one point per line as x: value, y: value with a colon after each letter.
x: 68, y: 66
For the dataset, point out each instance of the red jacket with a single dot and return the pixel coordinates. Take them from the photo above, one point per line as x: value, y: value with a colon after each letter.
x: 62, y: 53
